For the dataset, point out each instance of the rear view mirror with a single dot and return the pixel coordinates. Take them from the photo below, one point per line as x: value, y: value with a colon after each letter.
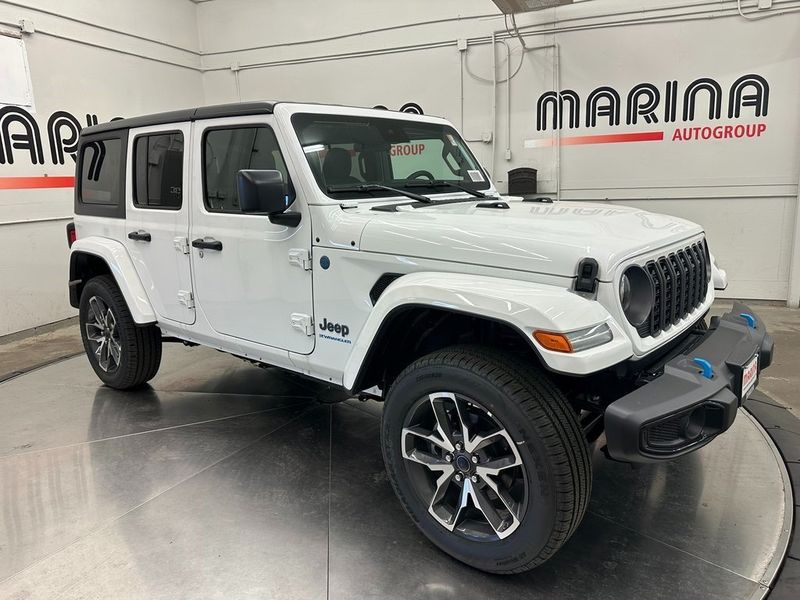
x: 261, y: 192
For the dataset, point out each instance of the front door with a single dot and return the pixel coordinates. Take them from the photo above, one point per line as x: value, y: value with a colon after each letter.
x: 157, y: 218
x: 245, y: 283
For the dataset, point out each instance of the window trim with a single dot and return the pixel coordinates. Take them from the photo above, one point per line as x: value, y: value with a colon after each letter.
x: 112, y: 211
x: 289, y: 189
x: 133, y: 170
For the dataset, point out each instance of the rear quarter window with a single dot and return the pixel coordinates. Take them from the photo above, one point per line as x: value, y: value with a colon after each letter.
x: 101, y: 177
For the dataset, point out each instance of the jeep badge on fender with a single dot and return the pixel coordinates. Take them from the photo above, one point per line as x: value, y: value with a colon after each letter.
x: 342, y: 330
x: 481, y: 322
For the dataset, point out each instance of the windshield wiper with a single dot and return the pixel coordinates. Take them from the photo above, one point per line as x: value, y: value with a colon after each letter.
x: 374, y: 187
x: 434, y: 183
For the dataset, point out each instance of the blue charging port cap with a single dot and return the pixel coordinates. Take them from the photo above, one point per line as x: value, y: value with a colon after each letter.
x: 707, y: 369
x: 751, y: 320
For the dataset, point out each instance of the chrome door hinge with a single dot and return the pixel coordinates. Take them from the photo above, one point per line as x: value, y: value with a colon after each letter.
x: 181, y: 244
x: 300, y: 257
x: 304, y: 323
x: 186, y: 298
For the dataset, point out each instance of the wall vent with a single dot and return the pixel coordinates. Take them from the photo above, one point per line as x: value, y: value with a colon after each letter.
x: 519, y: 6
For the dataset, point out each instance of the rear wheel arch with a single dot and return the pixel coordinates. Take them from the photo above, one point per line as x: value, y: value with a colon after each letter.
x: 411, y: 331
x: 97, y: 257
x: 84, y: 266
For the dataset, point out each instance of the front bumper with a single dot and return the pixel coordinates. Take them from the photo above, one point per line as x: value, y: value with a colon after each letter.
x: 693, y: 401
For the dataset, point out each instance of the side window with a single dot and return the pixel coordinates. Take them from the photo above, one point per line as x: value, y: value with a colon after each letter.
x: 226, y: 152
x: 100, y: 173
x: 158, y: 171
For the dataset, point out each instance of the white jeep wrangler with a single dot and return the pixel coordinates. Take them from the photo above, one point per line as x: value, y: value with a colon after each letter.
x: 369, y: 249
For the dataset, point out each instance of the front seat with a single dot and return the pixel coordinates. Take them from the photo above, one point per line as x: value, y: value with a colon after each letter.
x: 337, y: 166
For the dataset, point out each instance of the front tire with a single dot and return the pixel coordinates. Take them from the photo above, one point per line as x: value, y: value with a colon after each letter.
x: 487, y: 457
x: 124, y: 355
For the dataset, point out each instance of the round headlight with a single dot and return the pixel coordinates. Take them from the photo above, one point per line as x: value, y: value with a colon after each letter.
x: 636, y: 295
x: 625, y: 292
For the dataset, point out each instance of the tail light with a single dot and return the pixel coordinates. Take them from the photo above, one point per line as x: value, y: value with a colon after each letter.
x: 72, y: 235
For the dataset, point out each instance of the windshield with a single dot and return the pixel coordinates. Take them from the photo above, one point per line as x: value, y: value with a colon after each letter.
x: 346, y: 151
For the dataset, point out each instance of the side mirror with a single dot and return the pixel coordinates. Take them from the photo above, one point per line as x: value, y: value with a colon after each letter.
x: 261, y: 192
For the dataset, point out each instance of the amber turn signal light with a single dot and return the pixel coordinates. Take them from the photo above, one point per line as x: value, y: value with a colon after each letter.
x: 556, y: 342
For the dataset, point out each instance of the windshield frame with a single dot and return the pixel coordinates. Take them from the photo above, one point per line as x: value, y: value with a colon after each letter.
x: 360, y: 115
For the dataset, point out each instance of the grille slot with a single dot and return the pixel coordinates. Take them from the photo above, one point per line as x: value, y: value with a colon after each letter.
x: 680, y: 284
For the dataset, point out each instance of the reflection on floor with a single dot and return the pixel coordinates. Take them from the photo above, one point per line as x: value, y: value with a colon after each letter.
x: 227, y: 481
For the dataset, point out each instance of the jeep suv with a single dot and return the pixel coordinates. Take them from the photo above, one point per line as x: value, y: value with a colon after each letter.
x: 370, y: 250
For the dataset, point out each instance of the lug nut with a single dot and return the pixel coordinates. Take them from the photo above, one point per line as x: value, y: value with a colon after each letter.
x: 475, y: 459
x: 459, y: 477
x: 449, y: 458
x: 474, y: 479
x: 458, y: 445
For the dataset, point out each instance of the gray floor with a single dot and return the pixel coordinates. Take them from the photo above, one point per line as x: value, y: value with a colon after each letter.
x: 206, y: 487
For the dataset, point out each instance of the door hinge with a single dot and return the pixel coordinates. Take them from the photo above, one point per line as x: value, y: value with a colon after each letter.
x: 186, y: 298
x: 304, y: 323
x: 181, y: 244
x: 300, y: 257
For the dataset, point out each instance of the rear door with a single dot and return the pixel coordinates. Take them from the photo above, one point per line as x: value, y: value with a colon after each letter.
x: 253, y: 277
x: 158, y: 217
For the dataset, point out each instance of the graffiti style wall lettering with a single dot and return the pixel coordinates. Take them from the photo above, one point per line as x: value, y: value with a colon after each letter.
x: 643, y: 100
x: 602, y: 102
x: 63, y: 130
x: 21, y: 136
x: 702, y: 98
x: 555, y: 103
x: 758, y: 99
x: 19, y: 131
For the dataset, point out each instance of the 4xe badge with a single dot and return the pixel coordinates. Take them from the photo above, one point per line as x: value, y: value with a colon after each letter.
x: 341, y: 331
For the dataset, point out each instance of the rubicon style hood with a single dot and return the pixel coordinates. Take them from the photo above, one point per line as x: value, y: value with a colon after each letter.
x: 526, y: 236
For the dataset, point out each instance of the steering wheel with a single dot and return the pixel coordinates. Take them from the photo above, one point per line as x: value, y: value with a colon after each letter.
x: 421, y: 173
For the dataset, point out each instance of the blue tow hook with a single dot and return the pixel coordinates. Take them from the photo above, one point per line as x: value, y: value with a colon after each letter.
x: 751, y: 320
x: 708, y: 370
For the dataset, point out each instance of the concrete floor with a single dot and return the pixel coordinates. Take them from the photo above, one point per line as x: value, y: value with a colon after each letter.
x: 222, y: 480
x: 27, y: 350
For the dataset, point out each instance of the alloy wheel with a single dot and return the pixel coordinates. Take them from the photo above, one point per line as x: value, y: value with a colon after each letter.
x: 464, y: 464
x: 101, y: 331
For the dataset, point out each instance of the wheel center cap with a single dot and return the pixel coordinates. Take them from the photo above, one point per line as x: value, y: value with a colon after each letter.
x: 463, y: 463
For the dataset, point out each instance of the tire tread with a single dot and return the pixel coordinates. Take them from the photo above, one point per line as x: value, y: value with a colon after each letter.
x: 553, y: 420
x: 143, y: 342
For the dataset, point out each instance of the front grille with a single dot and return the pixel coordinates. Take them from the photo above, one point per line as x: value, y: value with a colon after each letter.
x: 680, y: 284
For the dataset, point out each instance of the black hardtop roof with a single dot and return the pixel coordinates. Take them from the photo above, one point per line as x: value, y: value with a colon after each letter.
x: 236, y: 109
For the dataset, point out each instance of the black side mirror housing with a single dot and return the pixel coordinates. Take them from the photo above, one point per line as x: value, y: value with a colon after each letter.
x: 261, y: 192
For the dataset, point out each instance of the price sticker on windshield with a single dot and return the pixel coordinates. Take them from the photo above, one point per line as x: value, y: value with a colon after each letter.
x: 475, y: 175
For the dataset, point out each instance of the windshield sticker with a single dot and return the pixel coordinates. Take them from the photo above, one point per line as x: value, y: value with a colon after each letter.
x: 475, y: 175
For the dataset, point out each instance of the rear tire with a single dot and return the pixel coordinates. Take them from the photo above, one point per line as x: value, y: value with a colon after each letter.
x: 124, y: 355
x: 456, y: 397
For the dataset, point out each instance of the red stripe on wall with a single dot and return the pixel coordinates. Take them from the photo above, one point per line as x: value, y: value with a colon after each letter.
x: 612, y: 138
x: 35, y: 183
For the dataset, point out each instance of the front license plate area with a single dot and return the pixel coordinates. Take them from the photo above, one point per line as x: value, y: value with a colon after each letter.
x: 749, y: 377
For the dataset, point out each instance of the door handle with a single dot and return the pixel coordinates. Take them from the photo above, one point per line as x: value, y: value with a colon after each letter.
x: 139, y: 236
x: 207, y: 244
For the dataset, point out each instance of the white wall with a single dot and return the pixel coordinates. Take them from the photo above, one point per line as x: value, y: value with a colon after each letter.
x: 744, y: 192
x: 82, y: 67
x: 118, y: 57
